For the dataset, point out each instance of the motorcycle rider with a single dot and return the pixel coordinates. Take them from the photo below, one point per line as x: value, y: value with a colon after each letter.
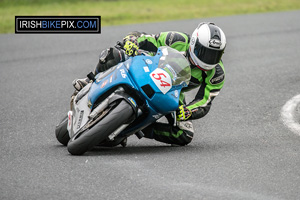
x: 203, y: 50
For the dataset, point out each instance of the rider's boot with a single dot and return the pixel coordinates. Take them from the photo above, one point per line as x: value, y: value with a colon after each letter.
x: 80, y: 83
x: 181, y: 134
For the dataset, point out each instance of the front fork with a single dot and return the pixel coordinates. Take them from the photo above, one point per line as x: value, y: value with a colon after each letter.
x: 118, y: 94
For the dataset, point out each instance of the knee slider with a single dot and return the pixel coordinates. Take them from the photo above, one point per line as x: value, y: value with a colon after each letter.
x: 187, y: 131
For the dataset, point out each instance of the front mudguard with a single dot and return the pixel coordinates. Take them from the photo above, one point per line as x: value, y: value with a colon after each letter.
x: 124, y: 96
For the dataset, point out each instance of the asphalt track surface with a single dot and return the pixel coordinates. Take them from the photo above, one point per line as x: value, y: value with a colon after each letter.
x: 241, y: 149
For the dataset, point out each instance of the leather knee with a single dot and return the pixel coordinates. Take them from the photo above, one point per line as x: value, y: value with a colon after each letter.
x: 109, y: 58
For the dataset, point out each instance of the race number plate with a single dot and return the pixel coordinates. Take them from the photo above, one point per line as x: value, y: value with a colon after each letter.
x: 162, y: 80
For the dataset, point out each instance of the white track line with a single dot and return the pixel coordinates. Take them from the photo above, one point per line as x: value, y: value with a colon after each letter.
x: 288, y: 112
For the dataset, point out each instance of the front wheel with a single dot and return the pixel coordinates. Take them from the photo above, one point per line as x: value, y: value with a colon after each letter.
x: 80, y: 143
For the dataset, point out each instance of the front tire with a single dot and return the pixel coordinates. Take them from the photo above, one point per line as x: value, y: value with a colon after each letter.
x: 80, y: 143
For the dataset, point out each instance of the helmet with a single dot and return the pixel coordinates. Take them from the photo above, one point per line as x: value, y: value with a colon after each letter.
x: 207, y: 46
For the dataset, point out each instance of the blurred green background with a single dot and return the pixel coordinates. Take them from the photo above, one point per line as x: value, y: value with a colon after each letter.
x: 117, y: 12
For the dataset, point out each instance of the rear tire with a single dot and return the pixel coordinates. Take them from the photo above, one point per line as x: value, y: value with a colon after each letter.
x: 61, y: 132
x: 81, y: 143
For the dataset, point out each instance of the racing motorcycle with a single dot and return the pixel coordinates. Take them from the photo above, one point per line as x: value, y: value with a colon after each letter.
x: 124, y: 100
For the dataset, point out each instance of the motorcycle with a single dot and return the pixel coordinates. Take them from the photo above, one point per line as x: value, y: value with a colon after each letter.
x: 124, y: 100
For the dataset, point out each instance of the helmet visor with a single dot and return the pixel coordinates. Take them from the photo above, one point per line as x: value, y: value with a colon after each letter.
x: 206, y: 55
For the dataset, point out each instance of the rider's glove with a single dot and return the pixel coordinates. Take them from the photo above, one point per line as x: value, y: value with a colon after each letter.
x: 131, y: 45
x: 183, y: 113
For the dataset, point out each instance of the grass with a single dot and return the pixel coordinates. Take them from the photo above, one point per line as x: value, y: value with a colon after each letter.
x: 116, y: 12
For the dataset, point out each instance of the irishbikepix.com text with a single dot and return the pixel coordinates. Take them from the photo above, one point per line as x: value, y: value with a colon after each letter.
x: 57, y: 24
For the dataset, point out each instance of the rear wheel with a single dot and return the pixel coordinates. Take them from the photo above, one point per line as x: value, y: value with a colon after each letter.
x: 61, y: 132
x: 118, y: 116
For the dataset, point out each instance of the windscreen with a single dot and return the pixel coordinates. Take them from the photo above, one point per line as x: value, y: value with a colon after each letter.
x: 176, y: 65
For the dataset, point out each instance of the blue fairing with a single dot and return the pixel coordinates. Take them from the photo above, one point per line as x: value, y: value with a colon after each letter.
x: 115, y: 76
x: 143, y: 70
x: 135, y: 73
x: 162, y: 103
